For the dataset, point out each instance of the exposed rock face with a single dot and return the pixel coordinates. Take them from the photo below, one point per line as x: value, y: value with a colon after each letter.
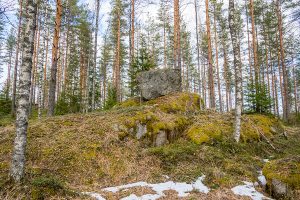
x: 160, y: 82
x: 141, y: 131
x: 279, y: 189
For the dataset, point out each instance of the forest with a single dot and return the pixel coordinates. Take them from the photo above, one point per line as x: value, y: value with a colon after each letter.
x: 95, y: 93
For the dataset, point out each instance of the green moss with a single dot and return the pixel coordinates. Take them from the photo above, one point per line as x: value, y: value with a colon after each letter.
x: 286, y: 170
x: 174, y: 152
x: 255, y: 123
x: 129, y: 103
x: 176, y: 123
x: 204, y: 133
x: 45, y: 186
x: 180, y: 103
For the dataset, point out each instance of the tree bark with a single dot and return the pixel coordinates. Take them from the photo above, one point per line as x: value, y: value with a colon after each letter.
x: 95, y: 53
x: 286, y: 108
x: 18, y: 157
x: 197, y: 43
x: 249, y: 46
x: 237, y: 69
x: 295, y: 90
x: 217, y: 62
x: 211, y: 85
x: 177, y: 48
x: 256, y: 67
x: 55, y: 58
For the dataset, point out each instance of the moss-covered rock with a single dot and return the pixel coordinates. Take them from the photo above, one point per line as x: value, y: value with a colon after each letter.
x: 283, y: 176
x: 178, y: 103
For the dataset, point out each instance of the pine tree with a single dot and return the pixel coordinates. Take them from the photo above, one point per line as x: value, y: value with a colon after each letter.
x: 211, y: 84
x: 117, y: 32
x: 55, y: 58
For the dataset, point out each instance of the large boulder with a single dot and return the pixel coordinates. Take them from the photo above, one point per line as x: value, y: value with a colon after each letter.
x: 160, y: 82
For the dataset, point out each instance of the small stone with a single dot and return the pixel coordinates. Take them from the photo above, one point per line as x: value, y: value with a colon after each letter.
x: 141, y: 130
x: 161, y: 138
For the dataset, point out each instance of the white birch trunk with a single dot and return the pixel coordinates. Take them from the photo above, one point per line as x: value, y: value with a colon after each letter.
x: 237, y: 68
x: 18, y: 157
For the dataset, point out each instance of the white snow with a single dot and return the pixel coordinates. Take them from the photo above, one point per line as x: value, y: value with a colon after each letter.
x: 181, y: 188
x: 144, y: 197
x: 248, y: 190
x: 266, y: 160
x: 94, y: 195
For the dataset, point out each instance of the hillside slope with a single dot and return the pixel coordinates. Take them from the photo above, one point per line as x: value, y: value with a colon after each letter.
x: 67, y: 155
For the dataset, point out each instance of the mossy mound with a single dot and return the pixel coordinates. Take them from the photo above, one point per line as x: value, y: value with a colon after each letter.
x: 130, y: 103
x: 178, y: 103
x: 254, y: 125
x: 210, y: 127
x: 286, y: 170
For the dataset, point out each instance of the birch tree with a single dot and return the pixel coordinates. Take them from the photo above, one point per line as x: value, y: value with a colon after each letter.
x: 18, y: 157
x: 237, y: 68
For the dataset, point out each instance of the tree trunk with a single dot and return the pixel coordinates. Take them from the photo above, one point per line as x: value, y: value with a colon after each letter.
x: 55, y: 58
x: 13, y: 103
x: 95, y: 53
x: 117, y: 75
x: 256, y: 67
x: 211, y: 85
x: 217, y: 62
x: 8, y: 76
x: 177, y: 48
x: 46, y: 63
x: 249, y: 46
x: 237, y: 69
x: 197, y: 43
x: 286, y: 109
x: 295, y: 90
x: 226, y: 76
x: 18, y: 157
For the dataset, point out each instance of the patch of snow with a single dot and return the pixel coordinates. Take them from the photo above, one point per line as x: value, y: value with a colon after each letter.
x: 266, y: 160
x: 248, y: 190
x: 121, y: 187
x: 198, y: 185
x: 144, y: 197
x: 182, y: 189
x: 94, y: 195
x: 262, y: 179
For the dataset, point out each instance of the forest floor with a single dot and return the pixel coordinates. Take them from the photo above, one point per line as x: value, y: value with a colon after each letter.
x: 79, y: 156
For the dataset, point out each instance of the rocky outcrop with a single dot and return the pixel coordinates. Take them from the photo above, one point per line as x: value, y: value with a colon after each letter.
x: 160, y: 82
x: 283, y: 177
